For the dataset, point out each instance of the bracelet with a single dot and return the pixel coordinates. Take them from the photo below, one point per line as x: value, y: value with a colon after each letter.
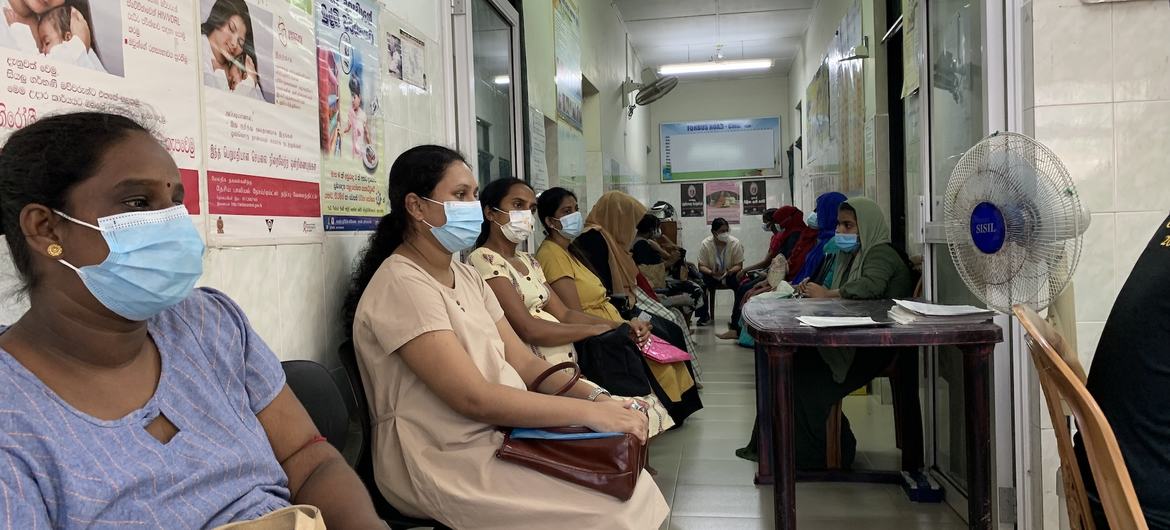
x: 597, y: 392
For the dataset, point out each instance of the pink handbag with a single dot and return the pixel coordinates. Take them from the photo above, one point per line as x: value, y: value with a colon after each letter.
x: 664, y: 352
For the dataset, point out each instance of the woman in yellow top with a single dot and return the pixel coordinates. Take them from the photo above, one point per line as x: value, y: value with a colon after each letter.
x: 569, y: 274
x: 536, y: 312
x: 443, y: 370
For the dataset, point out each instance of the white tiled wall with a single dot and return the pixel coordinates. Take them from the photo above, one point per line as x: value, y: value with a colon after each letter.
x: 1100, y: 97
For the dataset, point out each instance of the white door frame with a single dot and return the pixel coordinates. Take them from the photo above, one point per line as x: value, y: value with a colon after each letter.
x: 1011, y: 462
x: 464, y: 83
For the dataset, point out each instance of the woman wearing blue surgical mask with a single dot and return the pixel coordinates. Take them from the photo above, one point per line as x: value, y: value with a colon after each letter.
x: 444, y: 369
x: 867, y: 267
x: 127, y: 393
x: 533, y: 309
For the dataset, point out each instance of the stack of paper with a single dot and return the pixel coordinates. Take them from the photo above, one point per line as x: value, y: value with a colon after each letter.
x: 907, y: 312
x: 838, y: 322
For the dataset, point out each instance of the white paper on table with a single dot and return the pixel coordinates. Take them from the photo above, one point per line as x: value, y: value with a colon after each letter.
x: 936, y: 310
x: 838, y: 322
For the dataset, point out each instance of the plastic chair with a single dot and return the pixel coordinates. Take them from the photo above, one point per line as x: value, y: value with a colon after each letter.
x: 318, y: 392
x: 356, y: 395
x: 1062, y: 381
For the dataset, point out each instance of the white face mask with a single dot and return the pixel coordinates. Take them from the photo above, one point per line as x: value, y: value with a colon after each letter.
x: 724, y: 237
x: 520, y: 225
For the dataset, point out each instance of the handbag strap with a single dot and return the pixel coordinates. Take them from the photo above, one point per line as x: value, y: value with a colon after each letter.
x: 535, y: 386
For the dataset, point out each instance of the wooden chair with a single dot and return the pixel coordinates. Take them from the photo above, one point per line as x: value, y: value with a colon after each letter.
x: 903, y: 375
x: 1062, y: 379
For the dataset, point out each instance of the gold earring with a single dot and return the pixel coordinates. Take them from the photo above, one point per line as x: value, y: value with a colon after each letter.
x: 55, y: 250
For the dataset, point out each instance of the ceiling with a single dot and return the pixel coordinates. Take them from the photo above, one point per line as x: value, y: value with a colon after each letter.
x: 679, y: 31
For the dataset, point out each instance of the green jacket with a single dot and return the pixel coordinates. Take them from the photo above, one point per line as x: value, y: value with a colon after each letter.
x: 883, y: 275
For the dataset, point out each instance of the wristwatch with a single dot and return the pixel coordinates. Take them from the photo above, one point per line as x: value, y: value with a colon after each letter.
x: 597, y: 392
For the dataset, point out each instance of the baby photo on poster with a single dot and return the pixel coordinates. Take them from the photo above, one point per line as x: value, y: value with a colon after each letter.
x: 691, y: 199
x: 755, y: 197
x: 236, y: 38
x: 73, y: 33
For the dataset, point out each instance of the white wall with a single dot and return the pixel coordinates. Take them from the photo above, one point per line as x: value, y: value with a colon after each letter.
x: 716, y: 100
x: 823, y: 23
x: 1097, y: 91
x: 606, y: 61
x: 292, y: 293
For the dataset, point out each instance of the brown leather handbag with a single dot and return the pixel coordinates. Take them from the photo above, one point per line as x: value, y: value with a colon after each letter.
x: 610, y: 465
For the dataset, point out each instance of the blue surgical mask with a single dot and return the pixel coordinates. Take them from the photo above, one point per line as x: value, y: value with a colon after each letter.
x: 811, y: 220
x: 571, y: 225
x: 464, y: 223
x: 847, y: 242
x: 155, y: 259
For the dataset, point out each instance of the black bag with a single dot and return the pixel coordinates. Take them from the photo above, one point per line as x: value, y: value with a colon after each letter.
x: 614, y: 361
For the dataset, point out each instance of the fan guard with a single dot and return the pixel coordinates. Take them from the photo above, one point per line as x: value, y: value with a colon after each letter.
x: 1013, y: 222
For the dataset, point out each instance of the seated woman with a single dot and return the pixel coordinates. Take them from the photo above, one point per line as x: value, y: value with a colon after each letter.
x: 792, y: 240
x: 572, y: 277
x: 609, y: 229
x: 866, y: 267
x: 823, y: 219
x: 1130, y: 380
x: 129, y: 399
x: 445, y: 370
x: 652, y: 258
x: 720, y: 260
x: 533, y: 309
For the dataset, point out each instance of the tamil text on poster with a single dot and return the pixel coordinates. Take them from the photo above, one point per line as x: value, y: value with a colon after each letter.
x: 755, y: 197
x: 260, y: 111
x: 353, y: 181
x: 691, y: 199
x: 723, y: 201
x: 137, y: 59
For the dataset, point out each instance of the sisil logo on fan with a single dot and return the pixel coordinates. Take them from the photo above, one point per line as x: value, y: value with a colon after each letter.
x: 985, y: 228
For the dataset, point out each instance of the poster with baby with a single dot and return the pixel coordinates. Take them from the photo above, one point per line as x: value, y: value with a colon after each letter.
x: 131, y: 57
x: 353, y: 179
x: 256, y: 61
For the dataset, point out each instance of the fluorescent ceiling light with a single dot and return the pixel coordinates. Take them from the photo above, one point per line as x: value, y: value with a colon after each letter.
x: 502, y: 80
x: 715, y: 66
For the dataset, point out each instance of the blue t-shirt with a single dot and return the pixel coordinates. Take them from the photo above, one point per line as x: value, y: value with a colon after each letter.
x: 61, y: 468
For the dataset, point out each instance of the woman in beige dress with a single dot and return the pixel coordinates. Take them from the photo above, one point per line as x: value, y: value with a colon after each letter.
x: 540, y: 318
x: 444, y: 369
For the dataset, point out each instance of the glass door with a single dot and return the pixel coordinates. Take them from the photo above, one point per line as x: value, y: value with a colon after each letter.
x: 956, y: 121
x: 487, y: 72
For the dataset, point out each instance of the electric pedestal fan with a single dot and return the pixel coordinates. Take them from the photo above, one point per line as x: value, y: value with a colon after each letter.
x: 1014, y: 222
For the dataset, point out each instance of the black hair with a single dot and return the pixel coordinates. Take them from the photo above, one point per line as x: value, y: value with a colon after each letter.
x: 648, y: 224
x: 546, y: 206
x: 768, y: 216
x: 548, y: 203
x: 848, y: 208
x: 62, y: 18
x: 355, y: 85
x: 718, y: 223
x: 43, y: 162
x: 221, y: 12
x: 490, y: 197
x: 416, y: 171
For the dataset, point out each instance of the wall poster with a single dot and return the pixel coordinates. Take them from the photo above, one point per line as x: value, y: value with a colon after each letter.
x: 353, y: 181
x: 817, y: 115
x: 260, y: 114
x: 723, y: 201
x: 567, y: 52
x: 691, y: 199
x: 139, y: 60
x: 755, y: 197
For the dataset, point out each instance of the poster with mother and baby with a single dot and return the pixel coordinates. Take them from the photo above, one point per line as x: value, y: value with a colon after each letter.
x: 256, y: 63
x: 135, y: 57
x: 353, y: 177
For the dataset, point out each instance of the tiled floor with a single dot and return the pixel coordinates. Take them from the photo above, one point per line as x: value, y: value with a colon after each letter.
x: 709, y: 488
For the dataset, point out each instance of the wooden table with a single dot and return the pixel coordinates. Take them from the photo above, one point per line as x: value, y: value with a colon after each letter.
x: 778, y: 335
